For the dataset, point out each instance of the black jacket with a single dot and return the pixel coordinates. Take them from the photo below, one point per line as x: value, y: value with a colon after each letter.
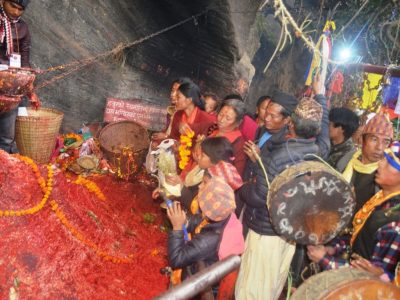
x: 277, y: 155
x: 322, y: 140
x: 254, y: 193
x: 202, y: 247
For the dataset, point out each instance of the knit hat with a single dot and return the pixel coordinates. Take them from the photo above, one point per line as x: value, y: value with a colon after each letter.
x: 228, y: 172
x: 23, y: 3
x: 216, y: 199
x: 379, y: 124
x: 309, y: 109
x: 289, y: 102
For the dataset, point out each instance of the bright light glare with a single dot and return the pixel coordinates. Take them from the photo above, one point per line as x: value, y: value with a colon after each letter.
x: 345, y: 54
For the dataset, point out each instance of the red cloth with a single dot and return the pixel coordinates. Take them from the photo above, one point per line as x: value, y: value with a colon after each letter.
x: 199, y: 124
x: 227, y: 286
x: 237, y: 141
x: 248, y: 128
x: 337, y: 83
x: 228, y: 172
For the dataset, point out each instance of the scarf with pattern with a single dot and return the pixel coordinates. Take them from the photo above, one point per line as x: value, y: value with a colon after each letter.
x: 5, y: 31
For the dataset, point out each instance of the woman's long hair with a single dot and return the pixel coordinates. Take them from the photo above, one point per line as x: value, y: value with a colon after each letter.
x: 191, y: 90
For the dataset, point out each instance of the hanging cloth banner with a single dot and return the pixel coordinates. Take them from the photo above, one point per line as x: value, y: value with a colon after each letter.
x: 391, y: 93
x: 370, y: 90
x: 320, y: 59
x: 397, y: 108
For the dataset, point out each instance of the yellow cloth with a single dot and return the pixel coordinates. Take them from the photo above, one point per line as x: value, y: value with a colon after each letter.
x: 329, y: 25
x: 320, y: 60
x: 370, y: 90
x: 316, y: 61
x: 356, y: 164
x: 264, y: 268
x: 194, y: 206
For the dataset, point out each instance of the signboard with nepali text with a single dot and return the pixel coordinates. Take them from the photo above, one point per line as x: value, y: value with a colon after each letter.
x: 148, y: 115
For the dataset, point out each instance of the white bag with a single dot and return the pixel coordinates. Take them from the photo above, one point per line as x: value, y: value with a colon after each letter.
x: 152, y: 155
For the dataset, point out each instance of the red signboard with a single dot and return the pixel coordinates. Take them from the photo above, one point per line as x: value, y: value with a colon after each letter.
x: 148, y: 115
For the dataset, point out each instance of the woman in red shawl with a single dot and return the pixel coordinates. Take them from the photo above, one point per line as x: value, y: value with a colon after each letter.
x: 190, y: 113
x: 229, y: 119
x: 190, y: 121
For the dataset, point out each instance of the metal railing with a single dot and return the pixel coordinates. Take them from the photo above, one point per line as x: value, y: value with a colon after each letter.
x: 202, y: 280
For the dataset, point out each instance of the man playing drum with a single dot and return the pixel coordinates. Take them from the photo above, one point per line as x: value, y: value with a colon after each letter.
x: 267, y: 257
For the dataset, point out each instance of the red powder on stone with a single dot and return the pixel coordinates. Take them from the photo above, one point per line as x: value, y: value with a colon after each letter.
x: 41, y: 259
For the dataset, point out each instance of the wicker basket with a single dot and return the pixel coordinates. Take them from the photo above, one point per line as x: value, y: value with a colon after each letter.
x: 36, y: 134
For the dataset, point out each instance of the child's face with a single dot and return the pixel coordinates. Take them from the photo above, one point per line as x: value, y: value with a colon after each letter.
x: 204, y: 161
x: 211, y: 104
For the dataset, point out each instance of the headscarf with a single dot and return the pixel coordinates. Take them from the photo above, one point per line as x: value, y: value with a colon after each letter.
x: 216, y: 199
x: 393, y: 160
x: 228, y: 172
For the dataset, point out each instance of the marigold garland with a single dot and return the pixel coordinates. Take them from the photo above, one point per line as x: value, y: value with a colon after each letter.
x: 79, y: 236
x: 184, y: 148
x: 72, y: 135
x: 46, y: 189
x: 91, y: 186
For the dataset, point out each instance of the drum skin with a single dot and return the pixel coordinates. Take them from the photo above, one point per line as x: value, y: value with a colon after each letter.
x: 345, y: 283
x: 310, y: 203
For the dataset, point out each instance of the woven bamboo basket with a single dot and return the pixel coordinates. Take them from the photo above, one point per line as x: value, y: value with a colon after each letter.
x: 36, y: 134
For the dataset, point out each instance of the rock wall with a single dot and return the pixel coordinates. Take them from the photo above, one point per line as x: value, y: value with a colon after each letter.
x: 287, y: 69
x: 215, y: 49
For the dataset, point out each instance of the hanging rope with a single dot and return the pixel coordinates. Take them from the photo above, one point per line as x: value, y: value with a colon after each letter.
x: 79, y: 64
x: 286, y: 19
x: 354, y: 17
